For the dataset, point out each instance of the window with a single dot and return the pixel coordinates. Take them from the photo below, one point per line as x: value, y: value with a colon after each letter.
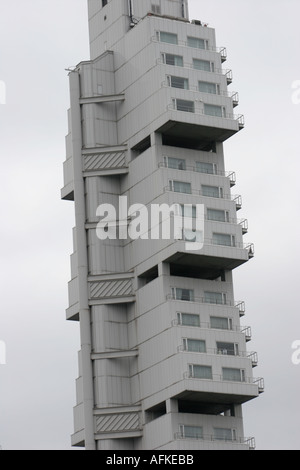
x: 200, y: 372
x: 221, y: 323
x: 191, y: 432
x: 178, y: 82
x: 188, y: 210
x: 194, y: 345
x: 203, y: 65
x: 224, y: 434
x: 182, y: 294
x: 212, y: 110
x: 207, y: 87
x: 197, y: 42
x: 223, y: 239
x: 170, y: 38
x: 188, y: 319
x: 209, y: 168
x: 180, y: 187
x: 184, y: 105
x: 171, y: 59
x: 227, y: 349
x: 156, y: 9
x: 212, y: 191
x: 218, y: 298
x: 175, y: 163
x: 234, y: 375
x: 217, y: 215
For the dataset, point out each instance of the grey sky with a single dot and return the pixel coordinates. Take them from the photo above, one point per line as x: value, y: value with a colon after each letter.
x: 38, y: 40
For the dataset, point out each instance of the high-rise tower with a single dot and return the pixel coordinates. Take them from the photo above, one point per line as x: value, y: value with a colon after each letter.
x: 163, y: 361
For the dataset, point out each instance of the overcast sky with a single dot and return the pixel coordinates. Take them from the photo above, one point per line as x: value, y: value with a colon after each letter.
x: 38, y: 40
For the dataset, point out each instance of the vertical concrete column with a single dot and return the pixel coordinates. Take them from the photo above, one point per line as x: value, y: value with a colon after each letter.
x: 84, y: 311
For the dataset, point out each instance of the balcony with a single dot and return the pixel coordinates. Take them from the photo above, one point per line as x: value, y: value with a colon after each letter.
x: 197, y: 192
x: 240, y: 305
x: 246, y: 330
x: 184, y: 85
x: 215, y: 389
x: 253, y: 356
x: 258, y: 381
x: 231, y: 175
x: 237, y: 442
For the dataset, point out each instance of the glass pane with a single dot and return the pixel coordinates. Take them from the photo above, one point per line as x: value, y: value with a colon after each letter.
x: 202, y: 372
x: 168, y: 37
x: 210, y: 191
x: 207, y: 87
x: 184, y: 294
x: 176, y: 163
x: 203, y: 167
x: 174, y: 60
x: 196, y: 345
x: 221, y: 239
x: 184, y: 105
x: 212, y: 110
x: 202, y: 65
x: 196, y: 42
x: 188, y: 319
x: 179, y: 82
x: 188, y: 210
x: 181, y: 187
x: 217, y: 215
x: 219, y: 322
x: 223, y: 434
x: 213, y: 297
x: 193, y: 432
x: 232, y: 374
x: 226, y: 348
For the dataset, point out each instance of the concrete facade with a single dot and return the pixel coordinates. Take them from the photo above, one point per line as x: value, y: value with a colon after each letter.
x: 163, y: 361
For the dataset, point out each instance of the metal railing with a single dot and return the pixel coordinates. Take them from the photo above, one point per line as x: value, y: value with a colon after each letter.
x: 231, y: 197
x: 248, y: 441
x: 220, y: 50
x: 229, y: 94
x: 229, y: 303
x: 259, y: 381
x: 246, y: 330
x: 227, y: 72
x: 231, y: 175
x: 191, y: 109
x: 224, y: 352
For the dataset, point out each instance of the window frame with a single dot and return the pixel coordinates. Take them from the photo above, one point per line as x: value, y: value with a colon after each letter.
x: 172, y: 186
x: 229, y: 323
x: 191, y: 294
x: 180, y: 319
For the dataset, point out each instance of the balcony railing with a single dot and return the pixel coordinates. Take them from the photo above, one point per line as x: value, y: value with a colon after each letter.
x: 231, y: 175
x: 229, y: 94
x: 259, y: 381
x: 227, y: 72
x: 220, y: 50
x: 224, y: 352
x: 246, y: 330
x: 188, y: 109
x: 231, y: 197
x: 229, y: 303
x: 248, y: 441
